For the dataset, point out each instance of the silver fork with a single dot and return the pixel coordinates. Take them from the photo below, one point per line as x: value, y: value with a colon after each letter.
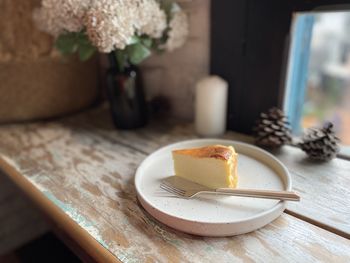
x: 187, y: 189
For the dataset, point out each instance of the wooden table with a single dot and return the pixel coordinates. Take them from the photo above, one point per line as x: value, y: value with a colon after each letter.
x: 79, y: 170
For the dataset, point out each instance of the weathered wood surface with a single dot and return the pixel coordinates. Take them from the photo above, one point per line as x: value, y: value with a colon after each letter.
x: 324, y: 190
x: 322, y: 186
x: 86, y: 168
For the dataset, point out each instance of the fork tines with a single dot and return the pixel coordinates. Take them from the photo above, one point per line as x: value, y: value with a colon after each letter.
x: 171, y: 189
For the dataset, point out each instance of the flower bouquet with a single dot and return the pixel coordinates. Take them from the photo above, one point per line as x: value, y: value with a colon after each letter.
x: 127, y: 30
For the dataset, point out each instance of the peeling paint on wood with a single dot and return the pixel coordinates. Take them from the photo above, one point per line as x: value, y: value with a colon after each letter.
x: 86, y: 168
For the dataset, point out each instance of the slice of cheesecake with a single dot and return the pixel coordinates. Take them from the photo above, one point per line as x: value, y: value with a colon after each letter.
x: 214, y: 166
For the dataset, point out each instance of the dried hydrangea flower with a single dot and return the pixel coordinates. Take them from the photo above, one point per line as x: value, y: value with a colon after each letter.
x: 151, y: 18
x: 178, y: 31
x: 109, y: 24
x: 57, y: 16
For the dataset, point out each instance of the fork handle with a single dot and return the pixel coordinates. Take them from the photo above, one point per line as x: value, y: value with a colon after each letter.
x: 267, y: 194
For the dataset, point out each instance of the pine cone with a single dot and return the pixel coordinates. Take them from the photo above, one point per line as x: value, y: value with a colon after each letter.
x: 272, y: 129
x: 320, y: 144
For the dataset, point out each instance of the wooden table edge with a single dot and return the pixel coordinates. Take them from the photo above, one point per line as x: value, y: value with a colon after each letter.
x: 54, y: 213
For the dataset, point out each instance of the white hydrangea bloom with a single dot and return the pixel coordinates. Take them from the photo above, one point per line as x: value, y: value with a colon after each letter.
x: 109, y: 24
x: 151, y: 18
x: 178, y: 31
x: 57, y: 16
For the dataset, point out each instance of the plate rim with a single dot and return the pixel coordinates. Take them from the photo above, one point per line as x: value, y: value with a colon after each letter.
x: 277, y: 206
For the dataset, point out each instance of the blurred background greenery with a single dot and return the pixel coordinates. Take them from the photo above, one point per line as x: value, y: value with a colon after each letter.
x: 328, y: 82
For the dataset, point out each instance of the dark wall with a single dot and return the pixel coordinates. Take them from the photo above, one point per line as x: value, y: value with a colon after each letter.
x: 228, y: 44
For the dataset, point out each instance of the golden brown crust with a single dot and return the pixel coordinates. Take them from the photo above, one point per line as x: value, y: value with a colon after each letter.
x: 211, y: 151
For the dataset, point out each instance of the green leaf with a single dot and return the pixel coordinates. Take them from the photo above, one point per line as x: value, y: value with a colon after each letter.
x: 82, y: 39
x: 66, y: 43
x: 72, y: 42
x: 169, y: 7
x: 147, y: 41
x: 86, y: 52
x: 137, y: 53
x: 135, y: 39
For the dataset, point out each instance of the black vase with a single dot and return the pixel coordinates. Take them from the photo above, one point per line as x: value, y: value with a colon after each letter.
x: 126, y: 96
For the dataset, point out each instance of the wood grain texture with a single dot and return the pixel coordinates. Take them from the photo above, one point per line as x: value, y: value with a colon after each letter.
x: 325, y: 195
x: 324, y: 189
x: 86, y: 168
x: 63, y: 225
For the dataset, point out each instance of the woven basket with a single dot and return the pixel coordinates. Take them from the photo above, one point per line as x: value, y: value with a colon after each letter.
x: 46, y: 88
x: 35, y: 82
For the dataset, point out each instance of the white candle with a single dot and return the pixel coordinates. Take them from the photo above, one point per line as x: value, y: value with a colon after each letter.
x: 211, y: 106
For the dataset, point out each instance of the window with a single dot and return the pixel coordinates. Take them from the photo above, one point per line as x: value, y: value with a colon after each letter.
x: 250, y: 41
x: 318, y: 77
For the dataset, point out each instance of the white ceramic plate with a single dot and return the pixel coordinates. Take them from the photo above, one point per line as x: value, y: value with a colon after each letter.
x: 213, y: 215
